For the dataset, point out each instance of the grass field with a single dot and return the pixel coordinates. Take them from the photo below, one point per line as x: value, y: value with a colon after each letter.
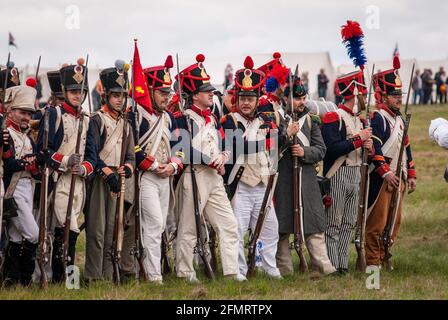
x: 420, y: 254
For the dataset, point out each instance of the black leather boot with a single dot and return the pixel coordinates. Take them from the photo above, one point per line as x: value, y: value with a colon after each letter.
x: 27, y: 262
x: 72, y: 237
x: 56, y: 259
x: 12, y: 264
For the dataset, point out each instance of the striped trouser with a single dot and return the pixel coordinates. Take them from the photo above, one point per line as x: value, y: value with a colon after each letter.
x: 341, y: 215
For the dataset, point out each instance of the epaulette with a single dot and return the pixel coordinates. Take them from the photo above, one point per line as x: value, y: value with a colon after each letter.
x: 316, y: 119
x: 263, y: 101
x: 330, y: 117
x: 177, y: 114
x: 223, y: 119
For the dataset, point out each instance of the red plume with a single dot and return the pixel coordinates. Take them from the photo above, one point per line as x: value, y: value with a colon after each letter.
x: 80, y: 61
x: 397, y: 64
x: 280, y: 73
x: 169, y: 62
x: 248, y: 63
x: 276, y: 55
x: 350, y: 30
x: 200, y: 58
x: 31, y: 82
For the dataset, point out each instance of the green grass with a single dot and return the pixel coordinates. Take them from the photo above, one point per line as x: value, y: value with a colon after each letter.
x: 420, y: 255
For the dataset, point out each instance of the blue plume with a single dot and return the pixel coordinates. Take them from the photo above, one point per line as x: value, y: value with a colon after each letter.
x: 355, y: 50
x: 271, y: 84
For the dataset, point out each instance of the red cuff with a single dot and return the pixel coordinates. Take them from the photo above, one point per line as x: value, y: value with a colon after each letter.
x: 383, y: 169
x: 32, y: 168
x: 412, y: 174
x: 179, y: 163
x: 57, y: 157
x: 357, y: 142
x: 8, y: 154
x: 88, y: 166
x: 146, y: 163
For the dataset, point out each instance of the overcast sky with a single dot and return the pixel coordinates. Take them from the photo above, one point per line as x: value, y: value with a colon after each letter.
x: 105, y: 29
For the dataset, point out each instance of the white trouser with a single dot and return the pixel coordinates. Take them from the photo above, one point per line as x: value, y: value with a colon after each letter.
x: 155, y: 198
x: 24, y: 226
x: 246, y: 205
x: 62, y: 190
x: 216, y: 208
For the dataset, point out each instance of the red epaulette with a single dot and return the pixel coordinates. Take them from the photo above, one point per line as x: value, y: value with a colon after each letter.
x: 263, y: 101
x: 177, y: 114
x: 223, y: 119
x: 330, y: 117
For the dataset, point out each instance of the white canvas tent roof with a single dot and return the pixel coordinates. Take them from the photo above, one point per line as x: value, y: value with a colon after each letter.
x: 405, y: 70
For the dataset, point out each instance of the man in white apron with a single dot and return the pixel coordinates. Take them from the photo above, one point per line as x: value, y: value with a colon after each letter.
x: 253, y: 138
x: 20, y: 167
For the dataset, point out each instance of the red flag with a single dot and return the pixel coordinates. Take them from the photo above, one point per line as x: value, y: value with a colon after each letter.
x: 140, y: 85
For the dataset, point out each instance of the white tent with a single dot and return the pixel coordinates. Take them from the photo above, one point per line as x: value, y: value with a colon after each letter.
x: 405, y: 70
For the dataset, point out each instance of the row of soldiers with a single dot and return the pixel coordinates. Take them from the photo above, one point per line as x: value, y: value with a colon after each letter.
x: 231, y: 151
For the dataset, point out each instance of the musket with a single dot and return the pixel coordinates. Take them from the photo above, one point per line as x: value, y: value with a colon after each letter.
x: 213, y: 245
x: 4, y: 122
x: 363, y: 190
x: 386, y: 236
x: 68, y: 216
x: 255, y: 235
x: 200, y: 241
x: 118, y: 235
x: 164, y: 260
x: 299, y: 236
x: 139, y: 250
x: 37, y: 69
x: 42, y: 257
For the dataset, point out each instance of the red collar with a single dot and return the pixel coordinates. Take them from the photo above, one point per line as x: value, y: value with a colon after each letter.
x: 110, y: 112
x: 343, y: 107
x: 386, y: 108
x: 70, y: 109
x: 203, y: 113
x: 14, y: 125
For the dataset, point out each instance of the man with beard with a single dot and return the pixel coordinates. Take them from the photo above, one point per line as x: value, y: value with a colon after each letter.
x: 387, y: 125
x: 20, y: 167
x: 252, y: 136
x: 310, y: 150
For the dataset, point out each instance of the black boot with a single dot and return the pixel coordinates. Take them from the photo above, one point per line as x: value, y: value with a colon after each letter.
x: 72, y: 237
x: 27, y: 262
x: 12, y: 264
x: 56, y: 259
